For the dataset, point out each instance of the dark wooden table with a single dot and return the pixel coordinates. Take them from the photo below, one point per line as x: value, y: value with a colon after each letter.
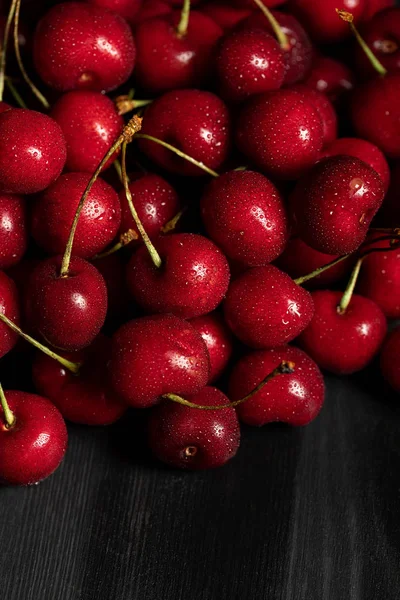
x: 309, y: 514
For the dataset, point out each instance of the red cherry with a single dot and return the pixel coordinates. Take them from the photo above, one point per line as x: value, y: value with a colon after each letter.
x: 244, y: 214
x: 13, y: 230
x: 126, y: 8
x: 54, y: 211
x: 346, y: 342
x: 67, y: 311
x: 4, y: 106
x: 9, y: 306
x: 363, y: 150
x: 157, y: 355
x: 195, y: 439
x: 281, y: 132
x: 265, y: 308
x: 335, y: 203
x: 85, y: 398
x: 35, y: 445
x: 189, y: 262
x: 390, y: 365
x: 330, y: 77
x: 167, y: 60
x: 294, y: 398
x: 218, y: 340
x: 225, y: 15
x: 382, y: 35
x: 325, y: 110
x: 194, y: 121
x: 78, y: 45
x: 32, y: 151
x: 151, y: 9
x: 375, y: 6
x: 90, y: 124
x: 112, y: 268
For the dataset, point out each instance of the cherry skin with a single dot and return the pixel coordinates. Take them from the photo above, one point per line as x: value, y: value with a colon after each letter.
x: 265, y: 308
x: 375, y: 6
x: 218, y: 340
x: 195, y: 122
x: 324, y: 108
x: 249, y: 62
x: 167, y: 60
x: 35, y: 445
x: 250, y: 3
x: 13, y: 230
x: 82, y: 46
x: 331, y: 77
x: 335, y: 203
x: 191, y: 263
x: 281, y: 132
x: 9, y: 306
x: 157, y: 355
x: 295, y: 398
x: 225, y: 15
x: 126, y: 8
x: 86, y: 398
x: 191, y: 438
x: 245, y: 216
x: 363, y: 150
x: 343, y: 343
x: 389, y: 362
x: 112, y: 268
x: 38, y: 151
x: 90, y: 124
x: 151, y: 9
x: 4, y: 106
x: 382, y: 35
x: 67, y: 311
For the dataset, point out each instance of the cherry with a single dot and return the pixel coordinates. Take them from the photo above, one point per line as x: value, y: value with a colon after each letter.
x: 225, y: 15
x: 32, y: 151
x: 78, y: 45
x: 244, y: 214
x: 390, y: 365
x: 9, y: 306
x: 126, y: 8
x: 67, y: 311
x: 265, y: 308
x: 335, y: 203
x: 194, y: 121
x: 90, y: 124
x: 365, y: 151
x: 189, y: 262
x: 375, y: 6
x: 382, y: 34
x: 218, y: 340
x: 331, y: 77
x: 152, y: 8
x: 296, y: 398
x: 152, y: 356
x: 343, y: 342
x: 13, y: 230
x: 249, y: 62
x: 189, y: 438
x: 112, y: 268
x: 325, y: 110
x: 281, y: 132
x: 33, y: 446
x: 4, y: 106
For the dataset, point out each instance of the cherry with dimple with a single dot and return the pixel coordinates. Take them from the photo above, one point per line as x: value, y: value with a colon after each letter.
x: 218, y: 339
x: 13, y: 230
x: 389, y: 361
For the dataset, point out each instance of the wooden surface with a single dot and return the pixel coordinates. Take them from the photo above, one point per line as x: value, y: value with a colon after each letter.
x: 309, y: 514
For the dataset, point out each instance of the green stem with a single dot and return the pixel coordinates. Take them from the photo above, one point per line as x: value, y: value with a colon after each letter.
x: 346, y: 298
x: 184, y: 20
x: 15, y: 93
x: 117, y: 166
x: 277, y: 29
x: 125, y: 104
x: 172, y: 223
x: 124, y: 239
x: 301, y: 280
x: 8, y: 414
x: 6, y: 38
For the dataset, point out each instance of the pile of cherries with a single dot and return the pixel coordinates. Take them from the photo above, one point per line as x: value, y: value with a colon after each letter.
x: 184, y: 229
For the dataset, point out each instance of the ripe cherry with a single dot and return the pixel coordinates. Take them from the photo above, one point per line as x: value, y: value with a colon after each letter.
x: 38, y: 151
x: 126, y: 8
x: 9, y: 306
x: 225, y: 15
x: 331, y: 77
x: 218, y: 340
x: 324, y: 108
x: 157, y: 355
x: 190, y: 438
x: 382, y: 34
x: 13, y: 230
x: 265, y: 308
x: 390, y: 365
x: 294, y: 398
x: 82, y: 46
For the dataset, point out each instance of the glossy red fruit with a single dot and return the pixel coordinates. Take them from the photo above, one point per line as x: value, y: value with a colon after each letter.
x: 151, y: 9
x: 67, y: 311
x: 126, y: 8
x: 195, y: 122
x: 224, y: 14
x: 325, y: 110
x: 32, y: 151
x: 191, y: 281
x: 331, y: 77
x: 249, y: 62
x: 363, y: 150
x: 167, y: 60
x: 382, y: 35
x: 375, y: 113
x: 90, y: 124
x: 195, y: 439
x: 35, y: 445
x: 295, y: 398
x: 375, y: 6
x: 265, y: 308
x: 245, y: 216
x: 86, y: 398
x: 390, y: 364
x: 157, y: 355
x: 335, y: 203
x: 9, y: 306
x: 81, y: 46
x: 218, y: 340
x: 321, y: 20
x: 343, y: 343
x: 281, y: 132
x: 54, y: 211
x: 13, y: 230
x: 112, y: 268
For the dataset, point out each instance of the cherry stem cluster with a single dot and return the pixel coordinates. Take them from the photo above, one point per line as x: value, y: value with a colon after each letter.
x: 277, y: 29
x: 8, y: 414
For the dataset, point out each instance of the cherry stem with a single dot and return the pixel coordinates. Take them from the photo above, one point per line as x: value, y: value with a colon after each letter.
x: 284, y: 368
x: 8, y: 414
x: 349, y: 18
x: 301, y: 280
x: 125, y: 104
x: 195, y: 162
x: 184, y: 20
x: 348, y: 293
x: 172, y: 223
x: 6, y: 38
x: 17, y: 97
x: 127, y: 134
x: 279, y: 33
x: 68, y: 364
x: 124, y: 239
